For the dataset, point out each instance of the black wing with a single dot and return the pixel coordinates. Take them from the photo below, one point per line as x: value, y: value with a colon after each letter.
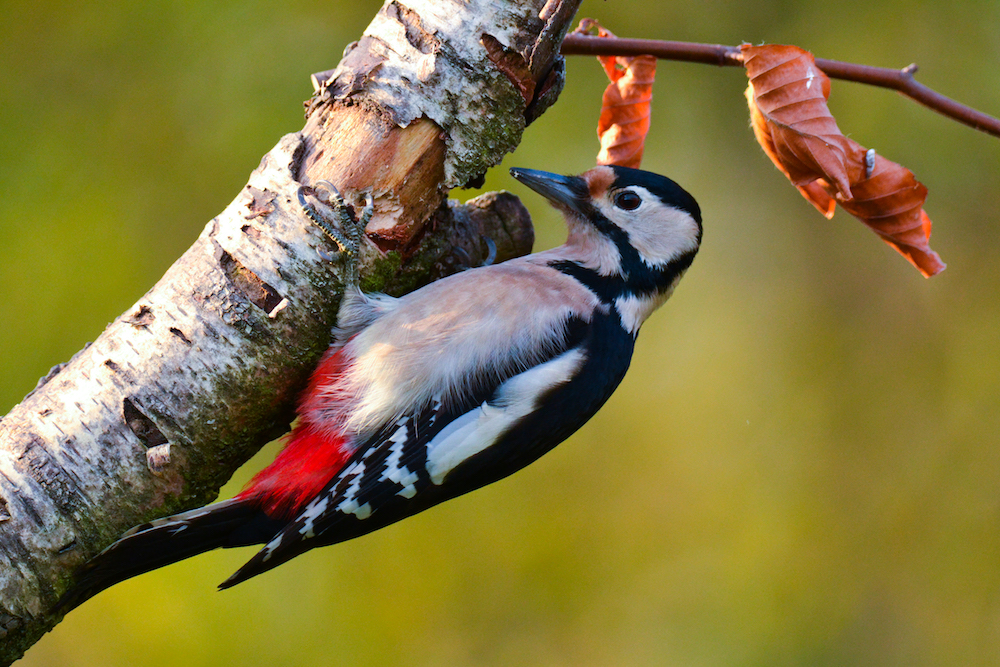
x: 453, y: 447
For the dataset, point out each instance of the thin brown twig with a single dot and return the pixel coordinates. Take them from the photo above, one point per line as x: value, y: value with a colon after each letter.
x: 900, y: 80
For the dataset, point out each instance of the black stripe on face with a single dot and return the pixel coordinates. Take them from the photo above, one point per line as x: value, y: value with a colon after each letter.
x: 636, y: 278
x: 607, y: 288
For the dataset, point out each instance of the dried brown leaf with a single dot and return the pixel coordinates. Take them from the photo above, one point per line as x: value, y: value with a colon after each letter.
x: 891, y: 201
x: 787, y: 97
x: 625, y: 105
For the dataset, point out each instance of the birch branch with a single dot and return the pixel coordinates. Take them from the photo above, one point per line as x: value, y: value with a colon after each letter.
x: 157, y: 413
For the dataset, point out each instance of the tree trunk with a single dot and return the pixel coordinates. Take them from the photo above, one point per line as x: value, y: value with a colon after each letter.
x: 156, y: 414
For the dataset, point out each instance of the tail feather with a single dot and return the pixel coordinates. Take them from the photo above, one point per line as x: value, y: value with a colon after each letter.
x: 230, y: 523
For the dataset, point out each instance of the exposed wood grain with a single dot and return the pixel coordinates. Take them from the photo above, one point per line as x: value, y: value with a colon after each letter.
x: 360, y: 151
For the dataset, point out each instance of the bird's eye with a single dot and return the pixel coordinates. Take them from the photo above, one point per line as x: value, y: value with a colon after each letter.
x: 627, y: 200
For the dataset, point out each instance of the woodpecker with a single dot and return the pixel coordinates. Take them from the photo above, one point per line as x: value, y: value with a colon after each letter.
x: 437, y: 393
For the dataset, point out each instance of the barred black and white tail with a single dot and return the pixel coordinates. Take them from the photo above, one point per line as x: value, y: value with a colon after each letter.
x: 231, y: 523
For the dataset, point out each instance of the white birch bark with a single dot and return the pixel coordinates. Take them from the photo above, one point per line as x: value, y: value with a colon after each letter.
x: 156, y: 414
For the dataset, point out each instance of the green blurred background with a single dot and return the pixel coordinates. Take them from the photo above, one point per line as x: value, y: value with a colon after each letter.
x: 801, y: 468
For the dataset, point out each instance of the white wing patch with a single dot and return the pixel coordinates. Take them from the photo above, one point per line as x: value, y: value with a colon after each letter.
x: 314, y: 510
x: 481, y: 427
x: 349, y: 505
x: 393, y: 471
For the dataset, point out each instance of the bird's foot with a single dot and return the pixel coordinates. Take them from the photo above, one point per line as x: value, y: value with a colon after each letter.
x: 337, y: 218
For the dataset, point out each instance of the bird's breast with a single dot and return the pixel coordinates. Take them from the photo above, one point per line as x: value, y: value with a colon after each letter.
x: 479, y: 326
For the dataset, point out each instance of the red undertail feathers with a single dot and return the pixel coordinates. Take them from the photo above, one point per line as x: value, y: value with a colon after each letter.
x: 312, y: 455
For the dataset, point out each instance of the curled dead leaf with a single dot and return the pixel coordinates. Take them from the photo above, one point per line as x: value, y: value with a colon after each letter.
x: 890, y: 201
x: 788, y: 113
x: 625, y: 105
x: 787, y: 96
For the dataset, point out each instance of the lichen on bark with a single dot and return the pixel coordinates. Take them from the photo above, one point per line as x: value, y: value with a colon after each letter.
x: 178, y: 391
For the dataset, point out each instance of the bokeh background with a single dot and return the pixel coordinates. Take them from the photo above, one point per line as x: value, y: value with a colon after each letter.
x: 801, y: 468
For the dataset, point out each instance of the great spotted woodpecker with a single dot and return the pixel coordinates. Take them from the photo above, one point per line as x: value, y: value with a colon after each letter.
x: 426, y: 397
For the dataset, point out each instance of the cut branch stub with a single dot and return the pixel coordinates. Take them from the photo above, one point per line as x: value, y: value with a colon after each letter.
x: 428, y: 99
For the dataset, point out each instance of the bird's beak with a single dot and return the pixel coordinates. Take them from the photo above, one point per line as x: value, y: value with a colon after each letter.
x: 564, y: 191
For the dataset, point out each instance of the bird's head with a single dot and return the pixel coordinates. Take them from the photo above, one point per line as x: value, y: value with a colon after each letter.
x: 641, y: 215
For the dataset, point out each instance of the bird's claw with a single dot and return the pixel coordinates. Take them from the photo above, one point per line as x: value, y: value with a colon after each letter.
x: 336, y: 218
x: 491, y: 252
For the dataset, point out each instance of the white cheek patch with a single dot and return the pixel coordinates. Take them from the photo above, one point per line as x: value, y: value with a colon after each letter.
x: 658, y: 232
x: 480, y: 428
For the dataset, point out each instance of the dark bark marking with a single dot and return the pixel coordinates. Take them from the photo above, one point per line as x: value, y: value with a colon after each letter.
x: 258, y: 292
x: 416, y: 34
x: 511, y: 64
x: 141, y: 425
x: 180, y: 334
